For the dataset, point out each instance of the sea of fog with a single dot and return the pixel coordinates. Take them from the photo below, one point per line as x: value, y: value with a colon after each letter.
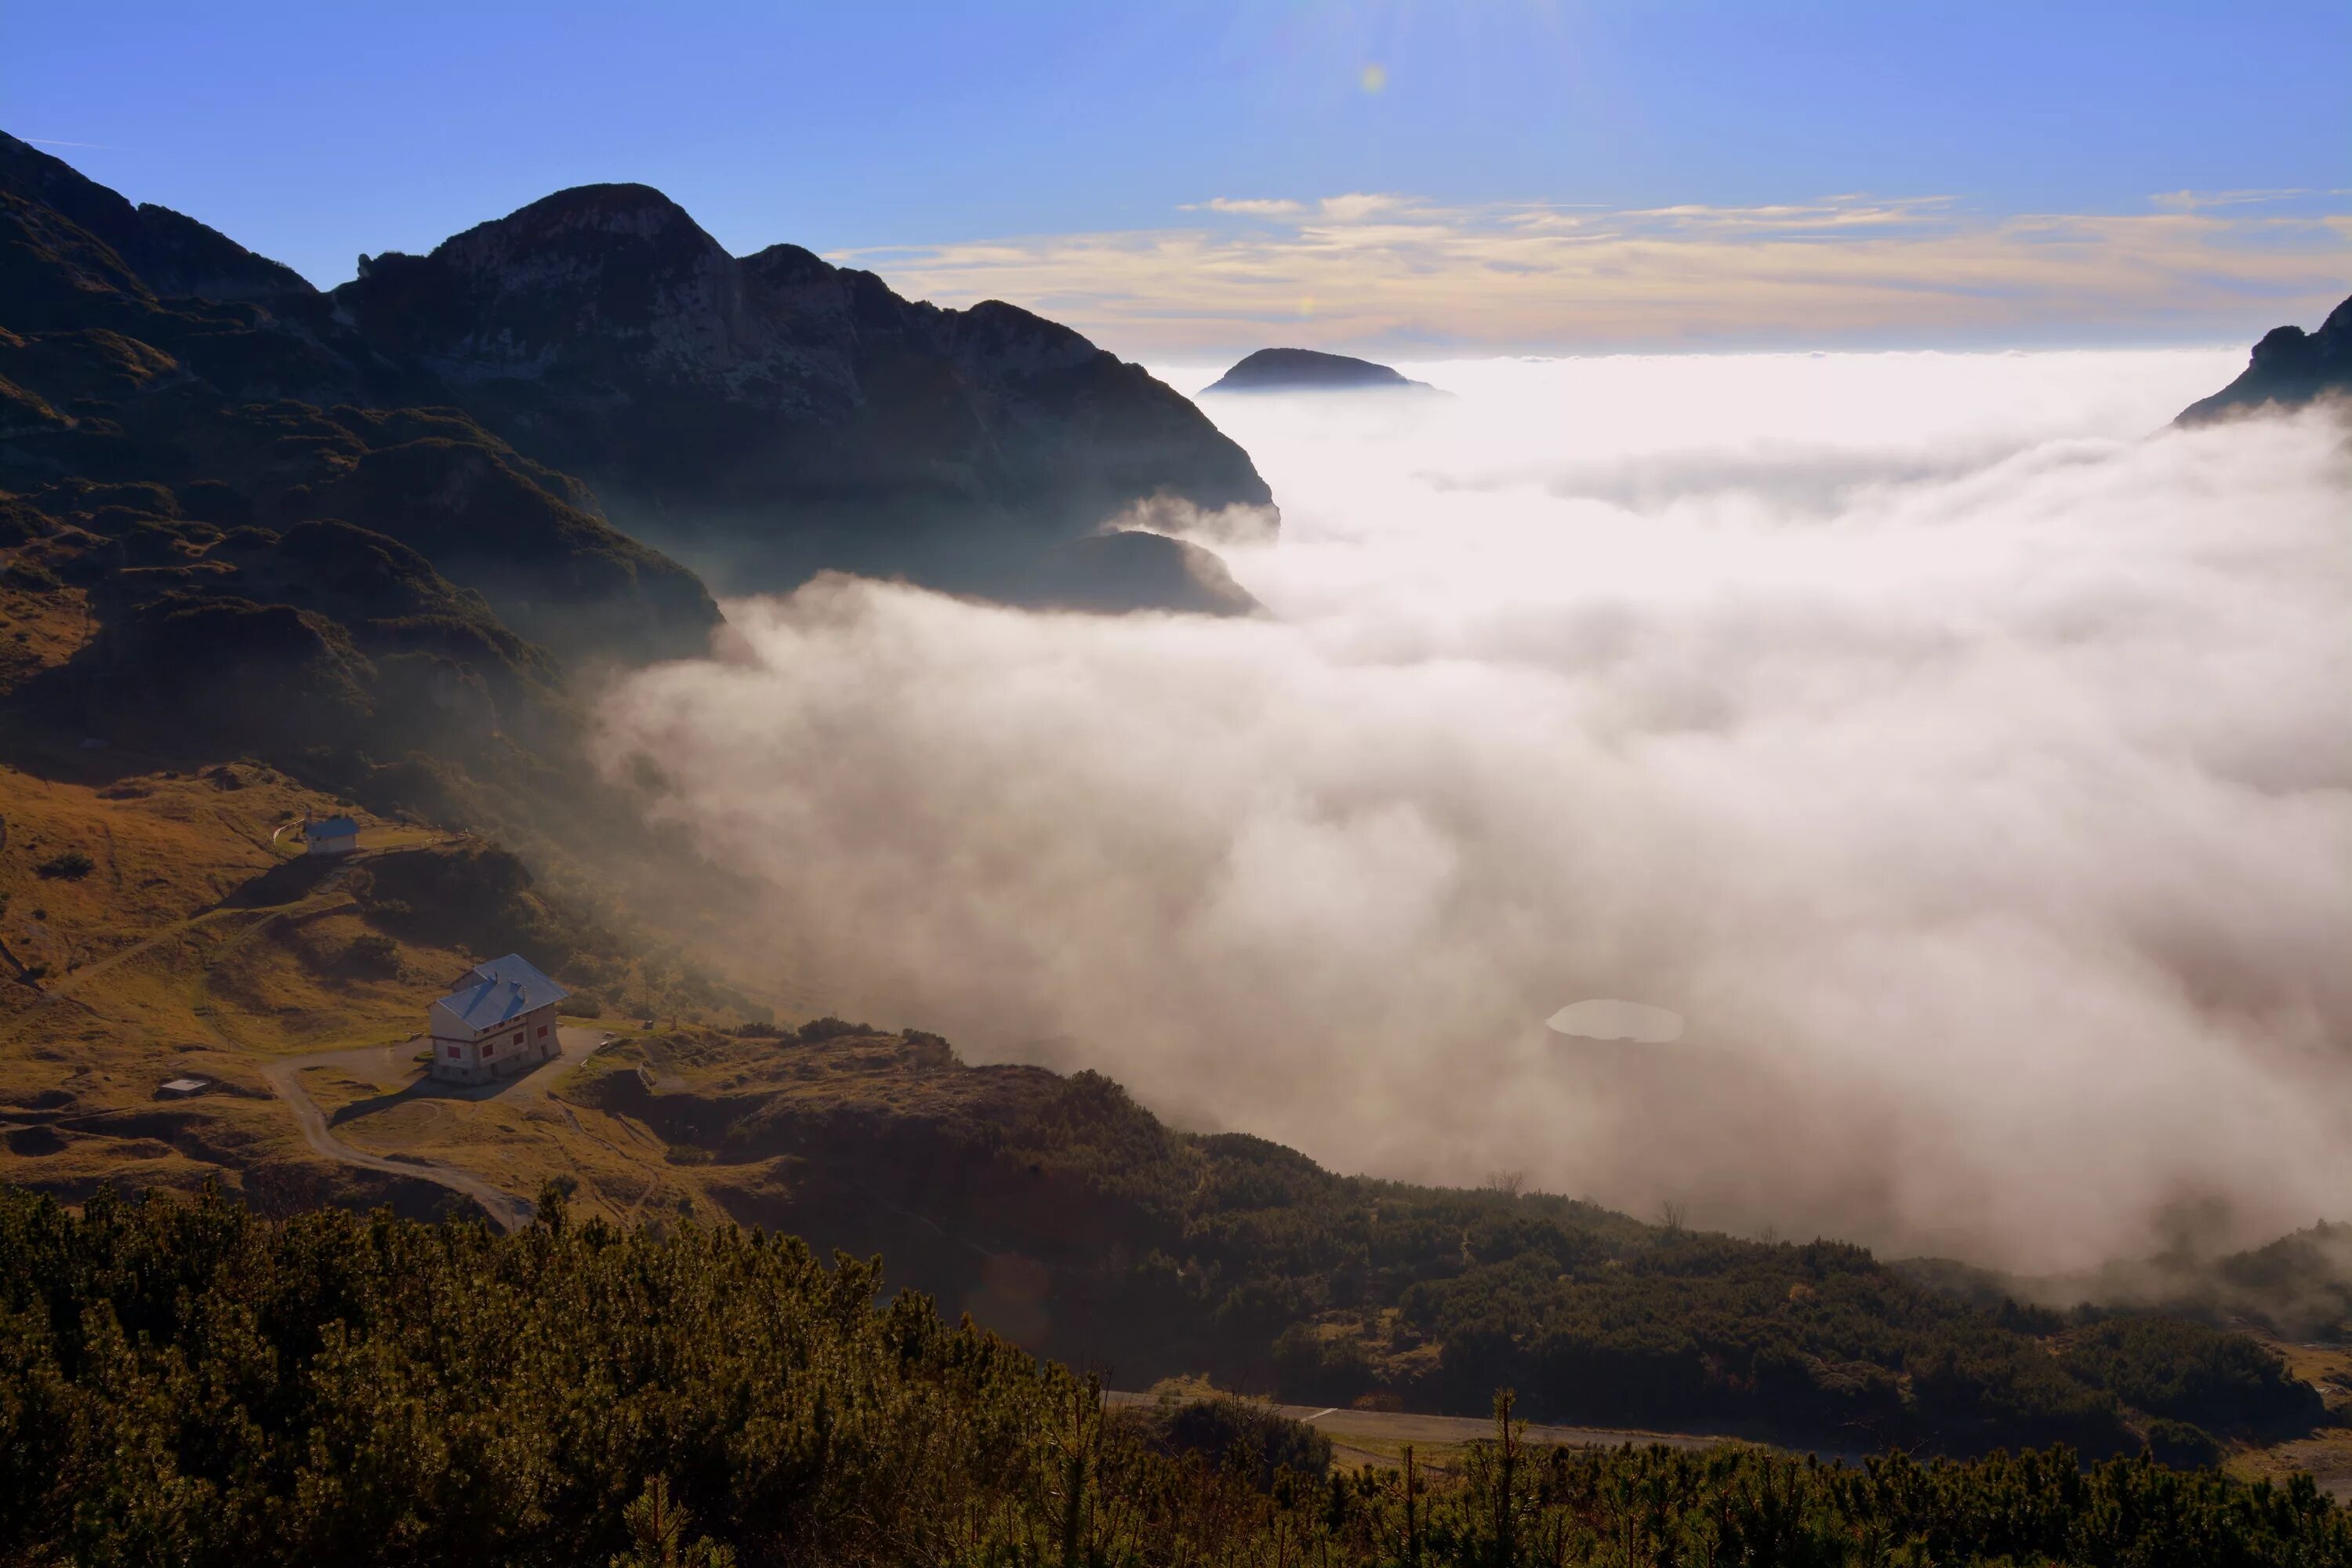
x: 1957, y: 760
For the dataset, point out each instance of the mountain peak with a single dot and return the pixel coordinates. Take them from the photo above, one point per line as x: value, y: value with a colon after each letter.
x: 593, y: 278
x: 602, y: 222
x: 621, y: 208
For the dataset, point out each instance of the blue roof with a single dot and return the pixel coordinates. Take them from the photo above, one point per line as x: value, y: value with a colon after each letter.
x: 332, y: 827
x: 501, y: 989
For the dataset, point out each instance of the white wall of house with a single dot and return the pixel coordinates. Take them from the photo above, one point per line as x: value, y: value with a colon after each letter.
x: 464, y: 1056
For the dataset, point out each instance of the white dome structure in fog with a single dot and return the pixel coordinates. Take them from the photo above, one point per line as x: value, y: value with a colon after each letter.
x: 1604, y: 1018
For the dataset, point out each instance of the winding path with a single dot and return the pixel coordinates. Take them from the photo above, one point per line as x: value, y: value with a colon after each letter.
x: 510, y: 1211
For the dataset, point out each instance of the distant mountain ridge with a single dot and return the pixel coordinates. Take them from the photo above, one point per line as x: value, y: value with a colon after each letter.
x: 1310, y: 369
x: 2290, y: 367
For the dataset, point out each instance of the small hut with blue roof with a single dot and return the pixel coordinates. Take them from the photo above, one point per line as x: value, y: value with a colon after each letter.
x: 500, y: 1020
x: 331, y: 835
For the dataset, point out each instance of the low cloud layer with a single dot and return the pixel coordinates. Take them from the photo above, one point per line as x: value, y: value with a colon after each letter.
x: 1966, y: 768
x: 1373, y: 269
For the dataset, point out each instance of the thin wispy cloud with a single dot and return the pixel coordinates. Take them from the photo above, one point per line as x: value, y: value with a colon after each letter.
x: 1246, y: 207
x: 1358, y: 206
x: 1365, y: 268
x: 2199, y: 201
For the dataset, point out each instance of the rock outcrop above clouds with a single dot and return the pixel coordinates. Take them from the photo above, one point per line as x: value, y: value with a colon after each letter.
x: 1308, y: 370
x: 2290, y: 368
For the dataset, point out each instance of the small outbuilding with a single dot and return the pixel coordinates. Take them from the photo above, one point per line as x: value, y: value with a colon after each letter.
x: 500, y: 1020
x: 331, y: 835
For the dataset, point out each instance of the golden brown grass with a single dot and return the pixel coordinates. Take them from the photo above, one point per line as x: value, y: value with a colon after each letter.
x: 40, y: 628
x: 2325, y: 1454
x: 199, y: 942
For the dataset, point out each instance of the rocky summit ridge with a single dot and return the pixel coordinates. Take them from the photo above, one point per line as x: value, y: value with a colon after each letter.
x: 771, y: 416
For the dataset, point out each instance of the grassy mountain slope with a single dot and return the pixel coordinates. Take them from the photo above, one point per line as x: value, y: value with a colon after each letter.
x: 160, y: 925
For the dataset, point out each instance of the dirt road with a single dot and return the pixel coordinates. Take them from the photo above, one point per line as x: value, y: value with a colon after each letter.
x: 1389, y: 1427
x: 1392, y: 1427
x: 1370, y: 1436
x: 510, y: 1210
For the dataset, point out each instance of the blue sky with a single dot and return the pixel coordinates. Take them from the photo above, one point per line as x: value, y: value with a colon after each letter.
x: 913, y: 133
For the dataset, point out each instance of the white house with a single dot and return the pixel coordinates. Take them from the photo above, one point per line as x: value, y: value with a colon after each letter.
x: 331, y: 835
x: 499, y: 1020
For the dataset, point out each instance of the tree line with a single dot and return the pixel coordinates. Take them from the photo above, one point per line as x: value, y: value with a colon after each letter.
x: 1238, y: 1255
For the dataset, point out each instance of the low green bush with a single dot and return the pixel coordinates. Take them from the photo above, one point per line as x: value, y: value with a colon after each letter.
x: 186, y: 1383
x: 66, y: 865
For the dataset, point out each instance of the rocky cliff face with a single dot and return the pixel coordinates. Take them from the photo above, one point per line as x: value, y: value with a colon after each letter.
x: 2290, y: 367
x: 770, y: 417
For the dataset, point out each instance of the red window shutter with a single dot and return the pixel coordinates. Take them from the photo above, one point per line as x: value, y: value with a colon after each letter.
x: 517, y: 1039
x: 542, y: 1031
x: 453, y: 1050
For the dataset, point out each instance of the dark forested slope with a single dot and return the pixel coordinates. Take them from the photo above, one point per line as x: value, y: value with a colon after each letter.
x: 183, y: 1383
x: 1058, y: 1209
